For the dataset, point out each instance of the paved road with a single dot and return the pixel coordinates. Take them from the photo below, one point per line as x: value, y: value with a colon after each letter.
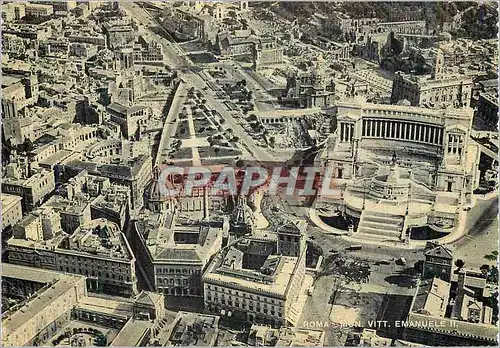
x: 481, y: 238
x: 263, y: 100
x: 316, y: 312
x: 176, y: 58
x: 170, y: 126
x: 173, y: 57
x: 482, y: 234
x: 329, y: 242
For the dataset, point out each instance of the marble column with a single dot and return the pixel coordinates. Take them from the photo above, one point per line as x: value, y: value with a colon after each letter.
x: 405, y: 125
x: 425, y: 133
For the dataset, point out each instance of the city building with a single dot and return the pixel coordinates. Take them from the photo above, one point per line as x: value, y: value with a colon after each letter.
x: 487, y: 111
x: 133, y: 172
x: 97, y: 250
x: 41, y: 303
x: 148, y: 51
x: 120, y: 33
x: 44, y: 307
x: 310, y: 88
x: 190, y: 329
x: 187, y: 22
x: 463, y: 318
x: 261, y: 335
x: 74, y: 210
x: 358, y: 29
x: 113, y: 204
x: 266, y: 51
x: 438, y: 263
x: 18, y: 94
x: 258, y: 280
x: 33, y: 189
x: 38, y: 10
x: 174, y: 241
x: 11, y: 210
x: 128, y: 117
x: 438, y: 92
x: 407, y: 161
x: 13, y: 11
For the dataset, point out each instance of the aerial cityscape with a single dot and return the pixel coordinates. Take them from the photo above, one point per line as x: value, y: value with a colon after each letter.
x: 245, y: 173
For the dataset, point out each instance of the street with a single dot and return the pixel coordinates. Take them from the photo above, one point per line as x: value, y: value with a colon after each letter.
x: 175, y: 57
x: 482, y: 234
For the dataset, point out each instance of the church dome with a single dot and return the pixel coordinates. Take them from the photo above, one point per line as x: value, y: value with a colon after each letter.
x: 158, y: 191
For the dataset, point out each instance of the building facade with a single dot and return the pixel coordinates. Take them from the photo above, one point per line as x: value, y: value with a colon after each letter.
x: 97, y: 250
x: 444, y: 91
x: 438, y: 263
x: 11, y: 210
x: 258, y: 280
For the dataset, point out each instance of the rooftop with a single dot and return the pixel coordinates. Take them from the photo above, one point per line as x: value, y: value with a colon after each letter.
x: 77, y: 205
x: 9, y: 201
x: 132, y: 333
x: 432, y: 297
x: 37, y: 275
x: 194, y: 329
x: 100, y: 237
x: 61, y: 283
x: 176, y: 238
x: 273, y: 276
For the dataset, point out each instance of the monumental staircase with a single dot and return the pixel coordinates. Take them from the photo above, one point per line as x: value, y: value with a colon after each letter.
x: 380, y: 226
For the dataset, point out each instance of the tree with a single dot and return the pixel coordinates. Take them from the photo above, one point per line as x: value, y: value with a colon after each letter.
x: 252, y: 117
x: 484, y: 269
x: 419, y: 266
x: 460, y: 263
x: 493, y: 275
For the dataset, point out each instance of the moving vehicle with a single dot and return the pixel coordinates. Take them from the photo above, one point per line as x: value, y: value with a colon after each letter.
x: 355, y: 247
